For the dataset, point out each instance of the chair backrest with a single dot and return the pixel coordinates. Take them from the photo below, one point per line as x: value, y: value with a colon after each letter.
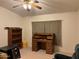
x: 77, y: 51
x: 76, y: 54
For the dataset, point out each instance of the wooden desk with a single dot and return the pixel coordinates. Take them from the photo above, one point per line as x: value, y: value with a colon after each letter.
x: 47, y: 41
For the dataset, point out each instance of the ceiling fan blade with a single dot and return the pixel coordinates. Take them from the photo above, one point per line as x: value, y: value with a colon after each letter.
x: 37, y: 6
x: 16, y: 0
x: 27, y: 0
x: 19, y: 0
x: 17, y: 5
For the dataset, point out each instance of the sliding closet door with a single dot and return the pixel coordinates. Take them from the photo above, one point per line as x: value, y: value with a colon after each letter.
x: 54, y: 27
x: 37, y: 27
x: 48, y: 27
x: 59, y: 39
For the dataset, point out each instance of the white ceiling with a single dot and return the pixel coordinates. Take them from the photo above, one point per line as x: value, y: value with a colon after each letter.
x: 48, y: 6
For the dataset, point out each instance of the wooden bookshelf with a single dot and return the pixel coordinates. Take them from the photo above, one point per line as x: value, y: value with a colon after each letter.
x: 14, y: 36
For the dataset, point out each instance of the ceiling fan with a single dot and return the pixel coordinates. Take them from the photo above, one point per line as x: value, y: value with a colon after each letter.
x: 28, y: 4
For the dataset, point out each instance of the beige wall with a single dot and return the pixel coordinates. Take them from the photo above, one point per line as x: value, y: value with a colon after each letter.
x: 7, y: 19
x: 69, y: 28
x: 78, y: 25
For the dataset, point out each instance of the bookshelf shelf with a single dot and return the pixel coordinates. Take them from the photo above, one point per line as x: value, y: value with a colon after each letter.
x: 14, y: 36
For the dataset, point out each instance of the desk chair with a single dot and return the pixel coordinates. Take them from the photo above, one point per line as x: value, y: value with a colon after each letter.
x: 74, y: 56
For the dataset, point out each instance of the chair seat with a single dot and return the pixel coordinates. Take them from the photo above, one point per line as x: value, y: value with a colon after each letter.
x: 13, y: 52
x: 61, y: 56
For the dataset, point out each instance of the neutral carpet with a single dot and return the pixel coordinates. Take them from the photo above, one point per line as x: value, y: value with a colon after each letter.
x: 27, y: 53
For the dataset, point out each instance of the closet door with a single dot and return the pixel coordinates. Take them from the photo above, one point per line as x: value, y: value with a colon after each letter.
x: 54, y: 27
x: 37, y: 27
x: 51, y: 27
x: 59, y: 33
x: 47, y: 27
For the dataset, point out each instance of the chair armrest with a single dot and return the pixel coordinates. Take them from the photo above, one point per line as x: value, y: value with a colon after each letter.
x: 61, y: 56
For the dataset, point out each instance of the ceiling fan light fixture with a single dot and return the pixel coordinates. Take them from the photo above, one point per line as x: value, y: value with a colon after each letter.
x: 29, y: 6
x: 24, y: 6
